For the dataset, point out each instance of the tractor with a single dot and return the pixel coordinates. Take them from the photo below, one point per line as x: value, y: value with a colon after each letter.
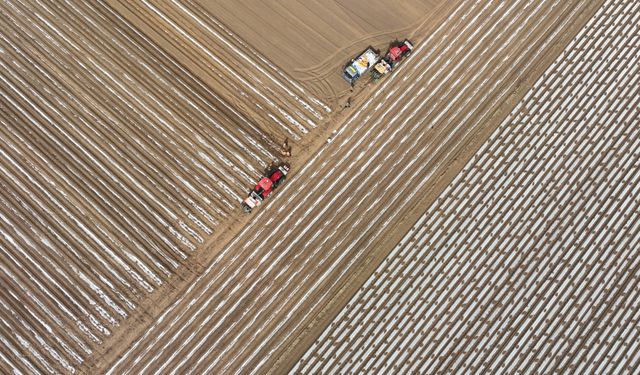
x: 275, y: 176
x: 396, y: 53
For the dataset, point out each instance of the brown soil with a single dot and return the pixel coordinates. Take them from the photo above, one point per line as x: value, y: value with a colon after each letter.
x: 312, y: 40
x: 130, y: 133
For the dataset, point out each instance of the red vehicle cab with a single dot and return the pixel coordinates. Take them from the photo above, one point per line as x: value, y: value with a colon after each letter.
x: 265, y: 186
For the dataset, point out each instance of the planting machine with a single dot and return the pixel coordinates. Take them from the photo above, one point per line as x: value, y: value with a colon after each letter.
x: 275, y: 176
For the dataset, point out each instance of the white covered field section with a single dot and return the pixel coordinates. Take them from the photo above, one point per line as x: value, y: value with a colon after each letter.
x: 528, y: 260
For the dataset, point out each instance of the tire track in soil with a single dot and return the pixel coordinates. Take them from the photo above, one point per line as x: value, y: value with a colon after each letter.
x: 280, y: 105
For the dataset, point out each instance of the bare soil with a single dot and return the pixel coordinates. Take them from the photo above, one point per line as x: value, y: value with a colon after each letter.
x: 312, y: 40
x: 131, y: 130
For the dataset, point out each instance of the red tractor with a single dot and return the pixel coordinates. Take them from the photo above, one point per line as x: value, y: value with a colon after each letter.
x: 275, y: 176
x: 395, y: 54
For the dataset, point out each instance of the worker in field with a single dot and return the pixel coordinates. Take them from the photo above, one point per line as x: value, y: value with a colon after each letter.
x: 286, y: 149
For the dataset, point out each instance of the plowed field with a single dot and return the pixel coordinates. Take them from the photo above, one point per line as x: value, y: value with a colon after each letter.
x: 130, y: 131
x: 528, y: 259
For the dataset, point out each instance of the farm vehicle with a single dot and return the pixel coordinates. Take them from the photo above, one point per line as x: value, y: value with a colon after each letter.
x: 397, y: 52
x: 370, y: 60
x: 275, y: 176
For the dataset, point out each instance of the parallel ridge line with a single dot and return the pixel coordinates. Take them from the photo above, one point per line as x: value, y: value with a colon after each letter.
x: 264, y: 285
x: 214, y: 48
x: 116, y: 164
x: 529, y: 258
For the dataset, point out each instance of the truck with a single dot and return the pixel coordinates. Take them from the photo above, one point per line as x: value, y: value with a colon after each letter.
x: 360, y: 65
x: 396, y: 53
x: 274, y: 177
